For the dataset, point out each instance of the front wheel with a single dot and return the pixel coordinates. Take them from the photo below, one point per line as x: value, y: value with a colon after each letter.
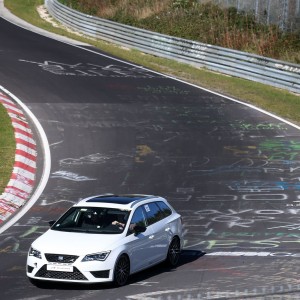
x: 122, y: 270
x: 173, y: 253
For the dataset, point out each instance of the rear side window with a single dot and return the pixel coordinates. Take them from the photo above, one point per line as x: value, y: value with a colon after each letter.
x: 165, y: 208
x: 154, y: 213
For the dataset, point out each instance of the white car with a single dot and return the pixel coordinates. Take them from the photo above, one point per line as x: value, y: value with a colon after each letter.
x: 106, y: 238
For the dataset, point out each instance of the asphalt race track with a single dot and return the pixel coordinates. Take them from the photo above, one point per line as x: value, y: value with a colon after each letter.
x: 233, y: 172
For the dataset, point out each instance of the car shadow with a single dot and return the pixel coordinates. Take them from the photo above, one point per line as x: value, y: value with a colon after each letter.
x: 187, y: 256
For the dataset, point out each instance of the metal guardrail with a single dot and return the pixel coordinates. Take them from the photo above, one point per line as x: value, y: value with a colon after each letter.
x: 257, y: 68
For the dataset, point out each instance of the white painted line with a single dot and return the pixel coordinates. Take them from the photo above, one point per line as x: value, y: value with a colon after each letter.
x: 157, y: 294
x: 190, y: 84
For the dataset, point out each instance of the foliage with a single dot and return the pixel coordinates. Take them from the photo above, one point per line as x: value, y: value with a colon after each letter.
x: 207, y: 23
x: 186, y: 4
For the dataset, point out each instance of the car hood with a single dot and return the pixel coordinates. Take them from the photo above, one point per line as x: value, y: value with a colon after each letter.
x: 74, y: 243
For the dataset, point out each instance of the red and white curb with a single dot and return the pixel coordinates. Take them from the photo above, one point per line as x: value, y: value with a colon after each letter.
x: 21, y: 183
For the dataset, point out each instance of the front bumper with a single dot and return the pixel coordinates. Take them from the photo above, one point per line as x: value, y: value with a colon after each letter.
x: 80, y: 272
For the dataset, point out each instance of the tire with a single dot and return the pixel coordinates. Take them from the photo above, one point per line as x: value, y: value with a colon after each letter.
x: 122, y: 270
x: 173, y: 253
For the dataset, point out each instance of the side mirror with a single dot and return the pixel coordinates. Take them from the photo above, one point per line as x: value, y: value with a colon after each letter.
x: 139, y: 229
x: 51, y: 223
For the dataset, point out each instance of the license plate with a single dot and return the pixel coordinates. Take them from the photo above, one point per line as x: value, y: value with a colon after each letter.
x: 61, y: 268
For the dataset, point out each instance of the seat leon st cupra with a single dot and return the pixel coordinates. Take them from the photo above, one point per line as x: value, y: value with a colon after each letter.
x: 106, y: 238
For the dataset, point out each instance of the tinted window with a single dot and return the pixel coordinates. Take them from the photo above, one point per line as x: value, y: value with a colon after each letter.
x: 165, y: 208
x: 138, y: 218
x: 154, y: 214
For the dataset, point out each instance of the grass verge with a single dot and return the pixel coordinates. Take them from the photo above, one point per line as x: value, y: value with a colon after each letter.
x: 200, y: 21
x: 7, y: 148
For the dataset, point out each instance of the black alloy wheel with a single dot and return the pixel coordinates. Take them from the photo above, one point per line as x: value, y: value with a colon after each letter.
x: 173, y: 252
x: 122, y: 270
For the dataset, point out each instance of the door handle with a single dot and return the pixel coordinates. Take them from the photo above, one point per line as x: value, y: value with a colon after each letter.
x: 151, y: 237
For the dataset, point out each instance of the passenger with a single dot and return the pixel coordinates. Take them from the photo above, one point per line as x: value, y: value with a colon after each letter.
x: 92, y: 220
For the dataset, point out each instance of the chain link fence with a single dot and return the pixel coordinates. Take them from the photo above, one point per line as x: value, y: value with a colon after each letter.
x: 284, y: 13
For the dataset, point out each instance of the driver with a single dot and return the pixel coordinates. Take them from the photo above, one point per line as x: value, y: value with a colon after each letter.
x: 120, y: 222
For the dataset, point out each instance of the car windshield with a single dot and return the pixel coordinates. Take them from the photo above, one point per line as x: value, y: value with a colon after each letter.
x: 93, y: 220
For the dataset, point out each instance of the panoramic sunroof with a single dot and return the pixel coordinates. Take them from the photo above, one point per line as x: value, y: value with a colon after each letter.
x: 117, y: 199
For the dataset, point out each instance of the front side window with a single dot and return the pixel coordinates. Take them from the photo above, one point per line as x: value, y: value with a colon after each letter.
x: 93, y: 220
x: 138, y: 219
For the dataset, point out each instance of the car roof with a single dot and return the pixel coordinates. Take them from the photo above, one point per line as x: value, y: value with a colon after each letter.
x: 121, y: 201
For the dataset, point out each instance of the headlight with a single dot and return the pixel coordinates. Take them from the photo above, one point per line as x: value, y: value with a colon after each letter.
x: 35, y: 253
x: 101, y: 256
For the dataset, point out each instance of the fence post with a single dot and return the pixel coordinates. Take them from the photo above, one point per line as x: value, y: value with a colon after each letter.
x: 268, y: 12
x: 257, y: 10
x: 284, y: 15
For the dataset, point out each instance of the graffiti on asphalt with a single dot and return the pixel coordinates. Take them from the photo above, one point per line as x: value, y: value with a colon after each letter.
x: 92, y: 70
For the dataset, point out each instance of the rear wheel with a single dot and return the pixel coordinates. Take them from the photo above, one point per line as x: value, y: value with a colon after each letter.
x: 122, y: 270
x: 173, y: 252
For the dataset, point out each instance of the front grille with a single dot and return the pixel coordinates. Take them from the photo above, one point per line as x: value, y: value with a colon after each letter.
x: 75, y: 275
x: 101, y: 274
x: 61, y: 258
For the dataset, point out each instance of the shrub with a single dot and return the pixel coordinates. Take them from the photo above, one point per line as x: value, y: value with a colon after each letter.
x: 206, y: 23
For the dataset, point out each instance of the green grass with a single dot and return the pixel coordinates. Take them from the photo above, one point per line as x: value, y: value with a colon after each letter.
x: 7, y: 148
